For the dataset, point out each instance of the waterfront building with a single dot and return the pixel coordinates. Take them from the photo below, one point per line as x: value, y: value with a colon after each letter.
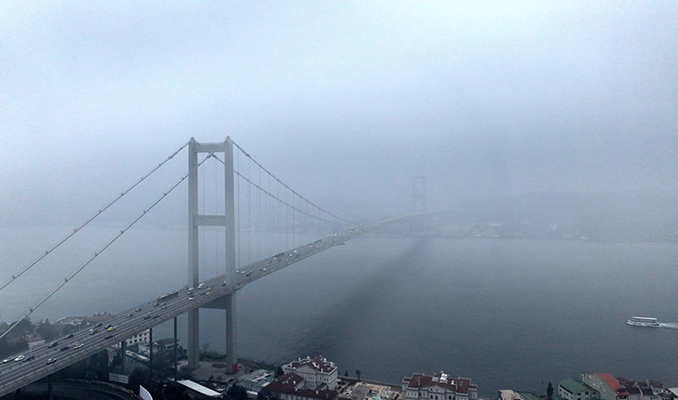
x: 143, y: 337
x: 368, y: 391
x: 645, y: 390
x: 166, y: 344
x: 291, y: 386
x: 507, y: 394
x: 255, y: 380
x: 440, y: 386
x: 611, y: 388
x: 317, y: 373
x: 607, y: 386
x: 569, y: 389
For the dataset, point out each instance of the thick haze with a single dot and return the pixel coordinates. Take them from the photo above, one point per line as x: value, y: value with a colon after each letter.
x: 345, y: 101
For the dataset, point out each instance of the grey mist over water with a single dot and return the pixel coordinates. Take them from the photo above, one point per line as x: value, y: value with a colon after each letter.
x: 505, y: 313
x: 494, y: 103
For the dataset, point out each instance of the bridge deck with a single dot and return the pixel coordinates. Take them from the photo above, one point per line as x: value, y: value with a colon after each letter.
x: 45, y: 359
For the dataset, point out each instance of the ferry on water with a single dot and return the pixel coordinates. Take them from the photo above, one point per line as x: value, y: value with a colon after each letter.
x: 643, y: 321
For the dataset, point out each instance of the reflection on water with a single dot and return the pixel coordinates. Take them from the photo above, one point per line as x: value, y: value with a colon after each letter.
x: 505, y: 313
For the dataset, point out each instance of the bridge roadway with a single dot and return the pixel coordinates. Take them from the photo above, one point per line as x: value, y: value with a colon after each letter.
x: 48, y: 358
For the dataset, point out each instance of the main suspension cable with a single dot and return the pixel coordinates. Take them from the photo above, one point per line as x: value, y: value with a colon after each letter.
x: 90, y: 219
x: 106, y: 246
x: 283, y: 201
x: 289, y: 188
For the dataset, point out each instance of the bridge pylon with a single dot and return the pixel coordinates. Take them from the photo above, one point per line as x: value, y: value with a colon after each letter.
x: 227, y: 220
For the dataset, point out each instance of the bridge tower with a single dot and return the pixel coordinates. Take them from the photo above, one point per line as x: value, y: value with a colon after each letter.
x: 227, y: 220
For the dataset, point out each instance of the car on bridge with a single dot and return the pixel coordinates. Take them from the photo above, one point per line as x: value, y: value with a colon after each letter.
x: 53, y: 344
x: 51, y: 361
x: 20, y: 358
x: 64, y: 348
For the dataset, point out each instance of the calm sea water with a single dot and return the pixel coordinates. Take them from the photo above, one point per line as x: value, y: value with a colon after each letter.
x: 505, y: 313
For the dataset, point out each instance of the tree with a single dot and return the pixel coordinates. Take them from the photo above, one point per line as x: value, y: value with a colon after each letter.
x: 117, y: 360
x: 139, y: 377
x: 549, y: 391
x: 279, y: 372
x: 237, y: 392
x: 264, y: 395
x: 47, y: 330
x: 357, y: 372
x: 346, y: 373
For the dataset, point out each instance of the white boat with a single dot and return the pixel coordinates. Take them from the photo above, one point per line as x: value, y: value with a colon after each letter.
x: 643, y: 321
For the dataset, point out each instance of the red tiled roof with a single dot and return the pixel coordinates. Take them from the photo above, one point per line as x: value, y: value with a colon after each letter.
x: 288, y: 382
x: 609, y: 380
x: 459, y: 385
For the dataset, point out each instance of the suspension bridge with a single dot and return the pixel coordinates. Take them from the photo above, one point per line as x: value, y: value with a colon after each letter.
x: 246, y: 202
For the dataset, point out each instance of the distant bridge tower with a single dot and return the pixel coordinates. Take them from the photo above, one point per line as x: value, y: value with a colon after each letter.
x: 419, y: 194
x: 227, y: 220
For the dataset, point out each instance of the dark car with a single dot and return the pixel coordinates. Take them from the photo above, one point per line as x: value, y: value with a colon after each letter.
x: 70, y: 335
x: 108, y: 337
x: 53, y: 344
x: 64, y: 348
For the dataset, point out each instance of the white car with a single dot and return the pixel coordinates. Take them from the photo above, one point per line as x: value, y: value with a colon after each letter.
x: 20, y: 358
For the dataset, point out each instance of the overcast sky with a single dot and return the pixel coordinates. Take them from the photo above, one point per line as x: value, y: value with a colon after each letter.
x: 344, y: 101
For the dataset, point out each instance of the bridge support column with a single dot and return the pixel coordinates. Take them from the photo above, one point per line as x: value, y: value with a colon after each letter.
x: 123, y: 354
x: 193, y: 347
x: 50, y: 393
x: 175, y: 348
x: 231, y: 334
x: 150, y: 352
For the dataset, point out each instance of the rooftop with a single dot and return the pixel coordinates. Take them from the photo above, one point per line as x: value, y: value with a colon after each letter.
x: 441, y: 379
x: 318, y: 363
x: 572, y: 386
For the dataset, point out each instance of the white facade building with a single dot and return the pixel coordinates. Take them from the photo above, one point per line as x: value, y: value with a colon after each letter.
x: 438, y: 387
x: 316, y: 372
x: 143, y: 338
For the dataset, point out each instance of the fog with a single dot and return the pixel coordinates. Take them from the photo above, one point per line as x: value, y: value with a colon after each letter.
x: 346, y: 102
x: 554, y: 120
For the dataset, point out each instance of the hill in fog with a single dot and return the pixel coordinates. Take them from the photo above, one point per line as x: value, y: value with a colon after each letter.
x: 619, y: 215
